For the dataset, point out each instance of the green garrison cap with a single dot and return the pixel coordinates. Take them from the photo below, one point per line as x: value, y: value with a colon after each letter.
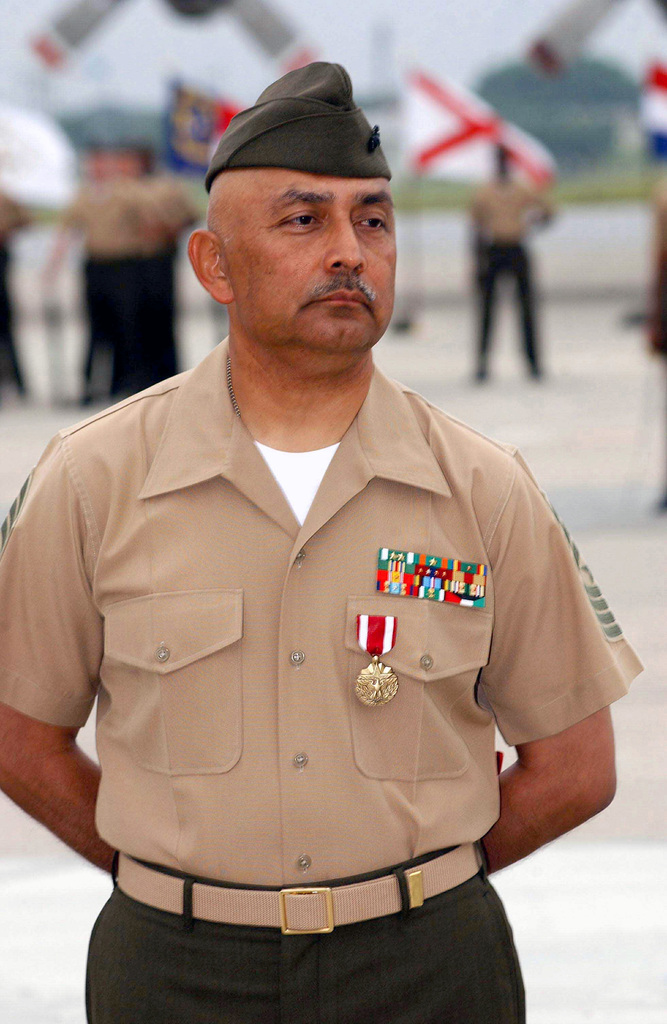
x: 307, y: 121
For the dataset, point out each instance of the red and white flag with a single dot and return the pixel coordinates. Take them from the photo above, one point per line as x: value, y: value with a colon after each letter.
x: 654, y: 109
x: 376, y: 633
x: 451, y: 133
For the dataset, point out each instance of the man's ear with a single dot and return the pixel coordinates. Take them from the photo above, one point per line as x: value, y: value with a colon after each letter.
x: 206, y: 260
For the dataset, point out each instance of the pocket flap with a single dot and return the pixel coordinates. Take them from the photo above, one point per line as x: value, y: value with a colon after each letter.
x: 433, y: 640
x: 165, y: 632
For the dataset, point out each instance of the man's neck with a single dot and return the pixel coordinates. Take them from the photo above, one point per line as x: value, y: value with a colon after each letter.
x: 294, y: 404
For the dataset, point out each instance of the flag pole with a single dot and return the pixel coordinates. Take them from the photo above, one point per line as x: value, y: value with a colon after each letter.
x: 403, y: 321
x: 412, y: 303
x: 420, y: 251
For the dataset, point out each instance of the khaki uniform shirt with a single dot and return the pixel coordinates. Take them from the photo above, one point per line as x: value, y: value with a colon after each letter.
x: 114, y: 218
x: 153, y: 563
x: 169, y: 211
x: 503, y: 210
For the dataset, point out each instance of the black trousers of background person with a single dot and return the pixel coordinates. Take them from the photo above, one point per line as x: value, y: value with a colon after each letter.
x: 130, y: 303
x: 451, y: 961
x: 157, y: 314
x: 112, y: 292
x: 507, y: 261
x: 9, y: 364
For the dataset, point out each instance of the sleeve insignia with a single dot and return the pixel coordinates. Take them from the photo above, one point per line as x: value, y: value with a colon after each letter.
x: 12, y: 515
x: 605, y: 616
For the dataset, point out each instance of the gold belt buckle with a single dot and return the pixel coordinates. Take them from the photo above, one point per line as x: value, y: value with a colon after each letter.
x: 328, y: 900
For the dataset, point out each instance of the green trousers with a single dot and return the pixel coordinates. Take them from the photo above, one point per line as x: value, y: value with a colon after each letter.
x: 451, y: 961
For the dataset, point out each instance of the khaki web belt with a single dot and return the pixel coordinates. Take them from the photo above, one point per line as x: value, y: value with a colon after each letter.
x: 303, y: 910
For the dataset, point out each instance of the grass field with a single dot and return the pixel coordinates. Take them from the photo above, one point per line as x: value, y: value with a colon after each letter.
x: 612, y: 185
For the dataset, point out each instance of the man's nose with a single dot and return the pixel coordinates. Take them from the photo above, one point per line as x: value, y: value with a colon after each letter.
x: 344, y: 251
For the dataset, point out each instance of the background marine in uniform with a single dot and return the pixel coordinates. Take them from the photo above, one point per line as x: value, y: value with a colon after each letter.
x: 658, y: 308
x: 130, y: 223
x: 13, y: 217
x: 503, y: 212
x: 170, y: 210
x: 108, y: 214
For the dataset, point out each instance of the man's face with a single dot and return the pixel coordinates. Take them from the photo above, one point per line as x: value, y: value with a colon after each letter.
x: 310, y: 259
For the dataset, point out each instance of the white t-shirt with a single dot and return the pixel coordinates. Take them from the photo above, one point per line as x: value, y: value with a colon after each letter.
x: 299, y: 474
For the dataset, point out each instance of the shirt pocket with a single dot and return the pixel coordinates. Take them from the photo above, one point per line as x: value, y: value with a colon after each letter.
x: 173, y: 672
x: 438, y: 653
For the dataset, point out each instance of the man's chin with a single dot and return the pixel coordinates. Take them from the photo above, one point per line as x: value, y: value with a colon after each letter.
x: 341, y: 335
x: 340, y: 325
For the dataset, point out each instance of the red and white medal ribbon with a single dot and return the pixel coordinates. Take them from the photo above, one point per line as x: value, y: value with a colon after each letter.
x: 376, y: 633
x: 377, y: 684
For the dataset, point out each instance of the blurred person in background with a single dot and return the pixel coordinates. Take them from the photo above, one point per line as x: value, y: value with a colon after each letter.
x: 13, y: 217
x: 502, y: 212
x: 111, y: 213
x: 658, y: 306
x: 168, y: 212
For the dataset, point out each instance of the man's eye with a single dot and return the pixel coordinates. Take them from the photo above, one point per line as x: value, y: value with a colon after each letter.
x: 374, y: 222
x: 303, y: 220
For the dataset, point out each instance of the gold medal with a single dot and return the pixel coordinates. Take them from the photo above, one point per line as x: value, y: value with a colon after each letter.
x: 377, y: 684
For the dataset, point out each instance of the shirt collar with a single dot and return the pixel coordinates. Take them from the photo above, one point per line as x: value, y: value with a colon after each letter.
x: 195, y: 441
x: 203, y: 438
x: 393, y: 441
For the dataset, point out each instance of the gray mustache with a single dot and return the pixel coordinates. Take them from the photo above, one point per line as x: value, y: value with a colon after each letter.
x: 344, y: 282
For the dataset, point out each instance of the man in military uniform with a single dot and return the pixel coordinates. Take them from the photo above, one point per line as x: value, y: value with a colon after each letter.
x: 13, y: 217
x: 302, y: 598
x: 503, y: 211
x: 169, y: 211
x: 657, y: 321
x: 114, y: 215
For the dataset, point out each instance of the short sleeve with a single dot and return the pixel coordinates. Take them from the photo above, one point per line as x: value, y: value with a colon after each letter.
x: 51, y: 634
x: 557, y: 653
x: 179, y: 207
x: 538, y: 200
x: 74, y: 217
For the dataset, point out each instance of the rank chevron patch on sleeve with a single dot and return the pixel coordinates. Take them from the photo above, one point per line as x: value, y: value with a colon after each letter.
x: 605, y: 616
x: 12, y: 515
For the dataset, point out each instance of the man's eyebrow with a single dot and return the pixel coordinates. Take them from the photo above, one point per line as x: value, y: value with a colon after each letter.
x: 374, y: 198
x: 295, y: 195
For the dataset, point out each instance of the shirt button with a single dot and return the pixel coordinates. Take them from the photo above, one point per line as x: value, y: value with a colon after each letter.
x: 298, y: 561
x: 300, y: 760
x: 426, y: 662
x: 303, y: 862
x: 162, y: 653
x: 297, y: 657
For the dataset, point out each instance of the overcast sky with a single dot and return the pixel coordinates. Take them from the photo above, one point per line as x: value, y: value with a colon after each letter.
x: 144, y: 45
